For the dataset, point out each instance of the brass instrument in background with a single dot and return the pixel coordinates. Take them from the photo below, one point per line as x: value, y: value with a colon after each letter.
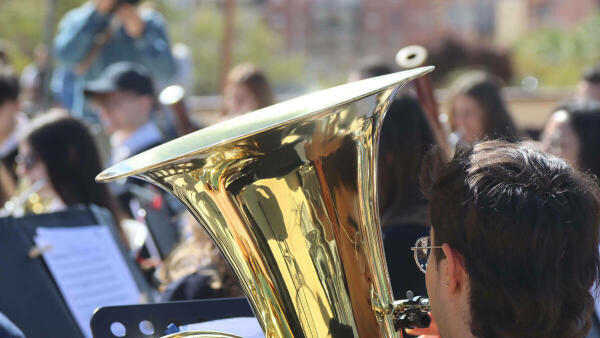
x: 415, y: 56
x: 174, y: 98
x: 288, y: 194
x: 27, y: 201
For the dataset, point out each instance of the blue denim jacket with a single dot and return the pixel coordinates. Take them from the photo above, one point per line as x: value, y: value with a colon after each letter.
x: 74, y: 40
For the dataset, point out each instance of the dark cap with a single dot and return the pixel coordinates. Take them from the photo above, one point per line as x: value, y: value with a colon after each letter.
x: 592, y: 74
x: 121, y: 76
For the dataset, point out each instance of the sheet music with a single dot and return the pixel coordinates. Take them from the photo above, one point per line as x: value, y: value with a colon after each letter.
x: 89, y: 270
x: 246, y: 327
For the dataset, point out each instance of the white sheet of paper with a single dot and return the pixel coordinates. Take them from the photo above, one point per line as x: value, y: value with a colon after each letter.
x: 89, y: 270
x: 246, y: 327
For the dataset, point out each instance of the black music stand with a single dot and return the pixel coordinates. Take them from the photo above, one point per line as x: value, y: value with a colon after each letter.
x: 29, y: 297
x: 158, y: 210
x: 162, y: 228
x: 161, y: 315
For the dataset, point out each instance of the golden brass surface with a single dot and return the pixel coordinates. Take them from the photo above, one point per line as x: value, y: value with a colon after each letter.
x: 288, y: 195
x: 27, y: 200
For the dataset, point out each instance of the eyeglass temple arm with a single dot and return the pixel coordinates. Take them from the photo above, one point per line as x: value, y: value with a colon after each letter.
x: 415, y: 248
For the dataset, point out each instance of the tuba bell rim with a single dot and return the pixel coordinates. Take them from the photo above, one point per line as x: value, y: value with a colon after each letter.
x: 204, y: 140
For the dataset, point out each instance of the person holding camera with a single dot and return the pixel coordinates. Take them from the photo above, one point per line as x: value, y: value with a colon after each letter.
x: 103, y: 32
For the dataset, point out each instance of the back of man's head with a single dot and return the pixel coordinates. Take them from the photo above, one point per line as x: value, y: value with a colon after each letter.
x: 592, y: 74
x: 589, y: 86
x: 9, y: 86
x: 526, y: 227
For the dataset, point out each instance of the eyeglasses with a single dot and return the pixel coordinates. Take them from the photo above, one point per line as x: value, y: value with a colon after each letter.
x: 27, y: 161
x: 422, y: 250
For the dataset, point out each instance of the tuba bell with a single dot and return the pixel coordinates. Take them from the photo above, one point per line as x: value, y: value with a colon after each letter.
x: 288, y: 194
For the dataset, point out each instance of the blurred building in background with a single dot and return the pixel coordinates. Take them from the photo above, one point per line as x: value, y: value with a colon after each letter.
x: 558, y: 13
x: 513, y: 18
x: 340, y: 31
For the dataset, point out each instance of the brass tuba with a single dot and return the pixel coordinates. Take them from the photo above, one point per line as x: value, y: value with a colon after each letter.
x: 288, y: 193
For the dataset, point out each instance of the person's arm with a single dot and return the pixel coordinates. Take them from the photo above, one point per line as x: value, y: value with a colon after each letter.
x: 77, y: 29
x: 154, y: 46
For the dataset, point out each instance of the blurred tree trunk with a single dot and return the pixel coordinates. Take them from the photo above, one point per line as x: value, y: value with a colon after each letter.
x: 227, y: 44
x: 49, y: 30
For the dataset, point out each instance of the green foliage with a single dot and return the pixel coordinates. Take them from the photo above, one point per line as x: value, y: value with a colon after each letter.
x: 202, y: 30
x: 22, y: 29
x: 22, y: 26
x: 558, y: 57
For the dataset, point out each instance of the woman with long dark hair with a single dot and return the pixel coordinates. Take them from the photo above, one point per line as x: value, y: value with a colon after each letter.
x: 478, y: 110
x: 58, y: 153
x: 406, y: 137
x: 572, y: 132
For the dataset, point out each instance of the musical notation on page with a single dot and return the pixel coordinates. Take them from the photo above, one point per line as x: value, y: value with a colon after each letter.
x: 88, y: 269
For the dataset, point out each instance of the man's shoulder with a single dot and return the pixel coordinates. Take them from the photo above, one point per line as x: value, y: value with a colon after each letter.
x: 85, y: 9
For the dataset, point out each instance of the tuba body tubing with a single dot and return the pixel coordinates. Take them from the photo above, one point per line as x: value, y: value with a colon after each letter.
x: 288, y: 194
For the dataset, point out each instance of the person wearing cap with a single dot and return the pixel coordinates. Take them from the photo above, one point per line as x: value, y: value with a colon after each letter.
x: 588, y: 87
x: 102, y: 32
x: 124, y: 97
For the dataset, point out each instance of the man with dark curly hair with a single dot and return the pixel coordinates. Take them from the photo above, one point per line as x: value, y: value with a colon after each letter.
x: 513, y: 243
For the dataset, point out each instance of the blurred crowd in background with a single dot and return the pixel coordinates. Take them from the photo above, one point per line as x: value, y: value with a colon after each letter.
x: 119, y: 77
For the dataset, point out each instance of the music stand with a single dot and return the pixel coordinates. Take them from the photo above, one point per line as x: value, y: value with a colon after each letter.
x: 156, y: 209
x: 161, y: 315
x: 30, y: 297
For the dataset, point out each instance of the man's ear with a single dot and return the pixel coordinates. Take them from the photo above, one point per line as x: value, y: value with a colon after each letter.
x: 455, y: 273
